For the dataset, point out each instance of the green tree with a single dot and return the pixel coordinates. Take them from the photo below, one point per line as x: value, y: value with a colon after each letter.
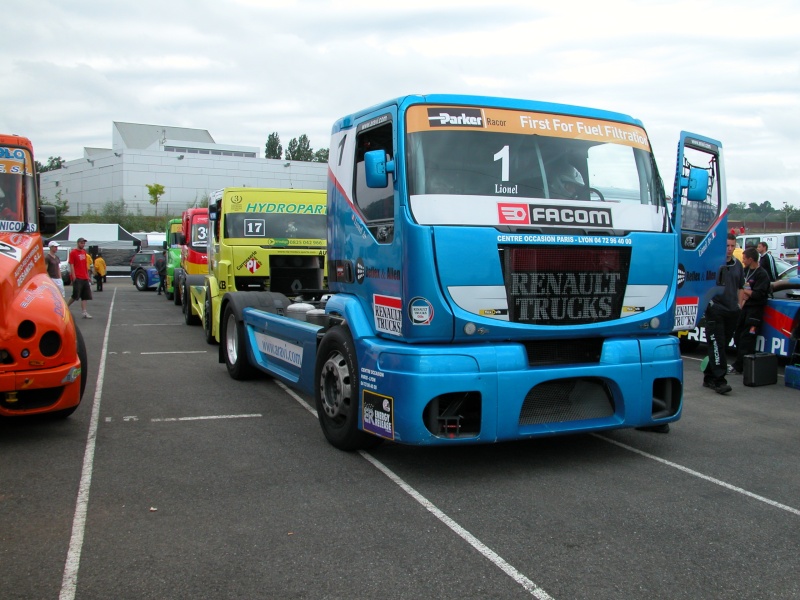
x: 300, y: 149
x: 273, y: 148
x: 155, y: 191
x: 62, y: 207
x: 53, y: 163
x: 113, y: 212
x: 321, y: 155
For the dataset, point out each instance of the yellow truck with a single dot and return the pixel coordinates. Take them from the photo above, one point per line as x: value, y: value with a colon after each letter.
x: 261, y: 240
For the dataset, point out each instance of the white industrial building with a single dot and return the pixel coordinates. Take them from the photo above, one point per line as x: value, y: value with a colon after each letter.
x: 187, y: 162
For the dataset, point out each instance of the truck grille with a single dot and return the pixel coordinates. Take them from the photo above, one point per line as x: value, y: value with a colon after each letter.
x: 565, y: 285
x: 567, y: 400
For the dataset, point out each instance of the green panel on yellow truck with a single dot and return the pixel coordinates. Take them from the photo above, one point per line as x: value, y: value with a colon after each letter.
x: 260, y: 240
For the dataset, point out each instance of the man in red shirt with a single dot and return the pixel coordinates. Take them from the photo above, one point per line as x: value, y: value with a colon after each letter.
x: 79, y: 274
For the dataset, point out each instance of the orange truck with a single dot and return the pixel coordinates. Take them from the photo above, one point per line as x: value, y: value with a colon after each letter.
x: 42, y: 353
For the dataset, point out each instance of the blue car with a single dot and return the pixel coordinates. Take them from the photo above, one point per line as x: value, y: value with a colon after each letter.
x: 143, y: 271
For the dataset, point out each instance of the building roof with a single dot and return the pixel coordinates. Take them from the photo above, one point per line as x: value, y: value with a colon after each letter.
x: 96, y: 234
x: 141, y: 137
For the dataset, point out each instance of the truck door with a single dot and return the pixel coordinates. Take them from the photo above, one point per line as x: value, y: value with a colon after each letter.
x: 700, y: 215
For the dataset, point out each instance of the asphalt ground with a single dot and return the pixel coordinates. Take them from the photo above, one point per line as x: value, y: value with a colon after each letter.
x: 174, y: 481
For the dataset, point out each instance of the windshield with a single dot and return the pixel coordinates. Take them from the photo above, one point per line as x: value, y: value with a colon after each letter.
x: 199, y: 239
x: 504, y: 156
x: 17, y: 192
x: 277, y: 229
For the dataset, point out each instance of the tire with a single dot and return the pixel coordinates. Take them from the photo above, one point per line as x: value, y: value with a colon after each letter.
x: 170, y: 295
x: 176, y: 295
x: 234, y: 346
x: 83, y: 358
x: 337, y: 392
x: 140, y: 279
x: 207, y: 320
x: 188, y: 317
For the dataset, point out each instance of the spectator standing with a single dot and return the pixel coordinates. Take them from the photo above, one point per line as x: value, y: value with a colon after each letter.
x: 722, y: 315
x: 752, y: 300
x: 161, y: 267
x: 53, y: 263
x: 737, y: 253
x: 90, y: 264
x: 79, y: 274
x: 99, y: 270
x: 767, y: 261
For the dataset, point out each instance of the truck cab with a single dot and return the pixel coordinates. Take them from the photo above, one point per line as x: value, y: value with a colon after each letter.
x: 260, y: 240
x: 500, y: 269
x: 42, y: 353
x: 193, y: 243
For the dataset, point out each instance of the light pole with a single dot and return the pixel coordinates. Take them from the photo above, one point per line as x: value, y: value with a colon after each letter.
x: 786, y: 210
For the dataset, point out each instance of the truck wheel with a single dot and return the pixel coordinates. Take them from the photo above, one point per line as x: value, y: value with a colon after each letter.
x: 207, y: 318
x: 188, y: 317
x: 235, y: 346
x: 141, y: 280
x: 336, y: 395
x: 82, y: 357
x: 176, y: 296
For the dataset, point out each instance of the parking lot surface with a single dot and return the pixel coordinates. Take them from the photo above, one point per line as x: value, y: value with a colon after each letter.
x: 174, y: 481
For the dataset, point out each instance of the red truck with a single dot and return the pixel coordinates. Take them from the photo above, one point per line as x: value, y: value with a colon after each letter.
x: 42, y: 354
x: 193, y: 240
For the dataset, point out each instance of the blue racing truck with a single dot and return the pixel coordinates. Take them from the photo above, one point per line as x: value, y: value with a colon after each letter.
x: 499, y: 269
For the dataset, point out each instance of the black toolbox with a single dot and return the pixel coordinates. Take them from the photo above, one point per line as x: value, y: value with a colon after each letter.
x: 760, y: 368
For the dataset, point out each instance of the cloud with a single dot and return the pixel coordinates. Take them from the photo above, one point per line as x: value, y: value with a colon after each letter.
x: 245, y: 68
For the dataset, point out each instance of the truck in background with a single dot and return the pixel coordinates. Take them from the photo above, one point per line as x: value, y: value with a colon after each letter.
x: 193, y: 241
x: 780, y: 245
x: 260, y: 240
x: 172, y: 246
x: 500, y: 269
x: 43, y: 362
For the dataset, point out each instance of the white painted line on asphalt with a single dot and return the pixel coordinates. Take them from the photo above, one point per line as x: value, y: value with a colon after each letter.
x: 69, y: 581
x: 465, y: 535
x: 178, y: 352
x: 206, y: 418
x: 694, y: 473
x: 149, y: 324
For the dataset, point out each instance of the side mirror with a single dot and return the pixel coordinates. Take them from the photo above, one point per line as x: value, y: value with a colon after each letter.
x: 377, y: 168
x: 48, y: 219
x: 164, y: 245
x: 696, y: 185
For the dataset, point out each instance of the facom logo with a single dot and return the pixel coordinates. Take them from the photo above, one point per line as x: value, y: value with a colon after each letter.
x: 512, y: 214
x: 570, y: 215
x: 466, y: 117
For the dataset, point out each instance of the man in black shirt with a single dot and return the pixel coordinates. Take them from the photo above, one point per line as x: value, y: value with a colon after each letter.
x: 753, y: 298
x: 722, y: 314
x: 161, y: 267
x: 767, y: 261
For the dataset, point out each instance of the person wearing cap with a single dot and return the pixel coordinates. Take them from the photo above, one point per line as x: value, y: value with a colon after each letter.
x: 53, y: 263
x: 79, y: 274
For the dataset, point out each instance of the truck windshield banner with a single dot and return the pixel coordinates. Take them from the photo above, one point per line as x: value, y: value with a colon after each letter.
x: 425, y: 118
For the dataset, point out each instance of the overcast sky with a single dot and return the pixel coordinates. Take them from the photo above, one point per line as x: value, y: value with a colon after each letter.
x: 241, y: 69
